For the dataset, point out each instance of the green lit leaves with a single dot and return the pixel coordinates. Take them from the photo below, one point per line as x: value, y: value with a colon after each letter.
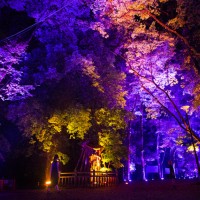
x: 114, y: 150
x: 112, y: 123
x: 111, y: 118
x: 63, y: 157
x: 76, y: 121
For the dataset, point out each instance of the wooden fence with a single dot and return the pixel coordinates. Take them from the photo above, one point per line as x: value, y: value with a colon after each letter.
x: 88, y: 179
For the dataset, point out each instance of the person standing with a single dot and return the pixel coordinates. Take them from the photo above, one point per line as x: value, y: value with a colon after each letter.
x: 171, y: 170
x: 55, y: 172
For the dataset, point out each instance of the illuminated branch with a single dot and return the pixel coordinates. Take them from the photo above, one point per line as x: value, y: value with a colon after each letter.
x: 172, y: 31
x: 146, y: 11
x: 187, y: 127
x: 172, y: 102
x: 163, y: 106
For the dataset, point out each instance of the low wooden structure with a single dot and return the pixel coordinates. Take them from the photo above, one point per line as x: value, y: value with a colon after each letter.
x: 87, y: 171
x: 88, y: 179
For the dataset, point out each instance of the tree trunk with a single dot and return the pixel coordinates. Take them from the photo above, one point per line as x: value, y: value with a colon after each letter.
x: 158, y: 156
x: 196, y: 157
x: 142, y: 147
x: 195, y: 152
x: 128, y: 162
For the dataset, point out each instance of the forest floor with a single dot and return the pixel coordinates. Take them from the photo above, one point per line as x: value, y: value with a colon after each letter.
x: 152, y: 190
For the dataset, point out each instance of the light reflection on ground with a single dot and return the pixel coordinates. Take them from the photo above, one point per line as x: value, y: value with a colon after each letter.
x: 151, y: 190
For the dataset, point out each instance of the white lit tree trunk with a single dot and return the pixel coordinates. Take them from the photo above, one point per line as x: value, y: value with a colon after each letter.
x: 158, y: 156
x: 128, y: 163
x: 142, y: 147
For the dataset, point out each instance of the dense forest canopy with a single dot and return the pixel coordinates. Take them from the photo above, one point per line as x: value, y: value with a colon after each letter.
x: 123, y: 74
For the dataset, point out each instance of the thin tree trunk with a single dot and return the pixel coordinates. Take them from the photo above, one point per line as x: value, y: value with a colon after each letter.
x: 142, y: 147
x: 158, y: 155
x: 163, y: 169
x: 195, y: 152
x: 128, y: 163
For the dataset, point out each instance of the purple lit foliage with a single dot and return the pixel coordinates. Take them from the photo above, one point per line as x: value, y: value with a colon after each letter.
x: 10, y: 76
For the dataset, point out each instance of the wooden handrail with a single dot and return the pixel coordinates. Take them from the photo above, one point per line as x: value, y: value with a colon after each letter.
x: 88, y: 179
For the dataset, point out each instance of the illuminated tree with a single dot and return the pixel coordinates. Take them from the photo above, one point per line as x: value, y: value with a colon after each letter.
x: 109, y: 55
x: 111, y: 131
x: 11, y: 87
x: 150, y: 52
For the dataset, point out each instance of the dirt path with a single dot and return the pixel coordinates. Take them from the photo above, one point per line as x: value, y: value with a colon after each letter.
x: 155, y: 190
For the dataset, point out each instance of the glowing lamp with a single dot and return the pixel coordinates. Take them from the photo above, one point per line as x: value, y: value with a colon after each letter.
x: 47, y: 183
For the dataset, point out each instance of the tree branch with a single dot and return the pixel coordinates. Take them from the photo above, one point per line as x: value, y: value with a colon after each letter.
x: 172, y: 31
x: 186, y: 128
x: 133, y: 12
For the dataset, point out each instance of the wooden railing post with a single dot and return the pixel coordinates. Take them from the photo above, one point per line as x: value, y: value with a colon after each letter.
x: 75, y: 179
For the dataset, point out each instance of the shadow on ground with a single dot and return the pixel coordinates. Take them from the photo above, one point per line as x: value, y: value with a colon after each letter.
x: 153, y: 190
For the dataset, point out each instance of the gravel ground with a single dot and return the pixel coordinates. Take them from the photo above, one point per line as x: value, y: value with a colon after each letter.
x: 153, y: 190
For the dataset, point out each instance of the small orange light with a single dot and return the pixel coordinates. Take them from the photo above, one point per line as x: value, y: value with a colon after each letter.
x: 48, y: 183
